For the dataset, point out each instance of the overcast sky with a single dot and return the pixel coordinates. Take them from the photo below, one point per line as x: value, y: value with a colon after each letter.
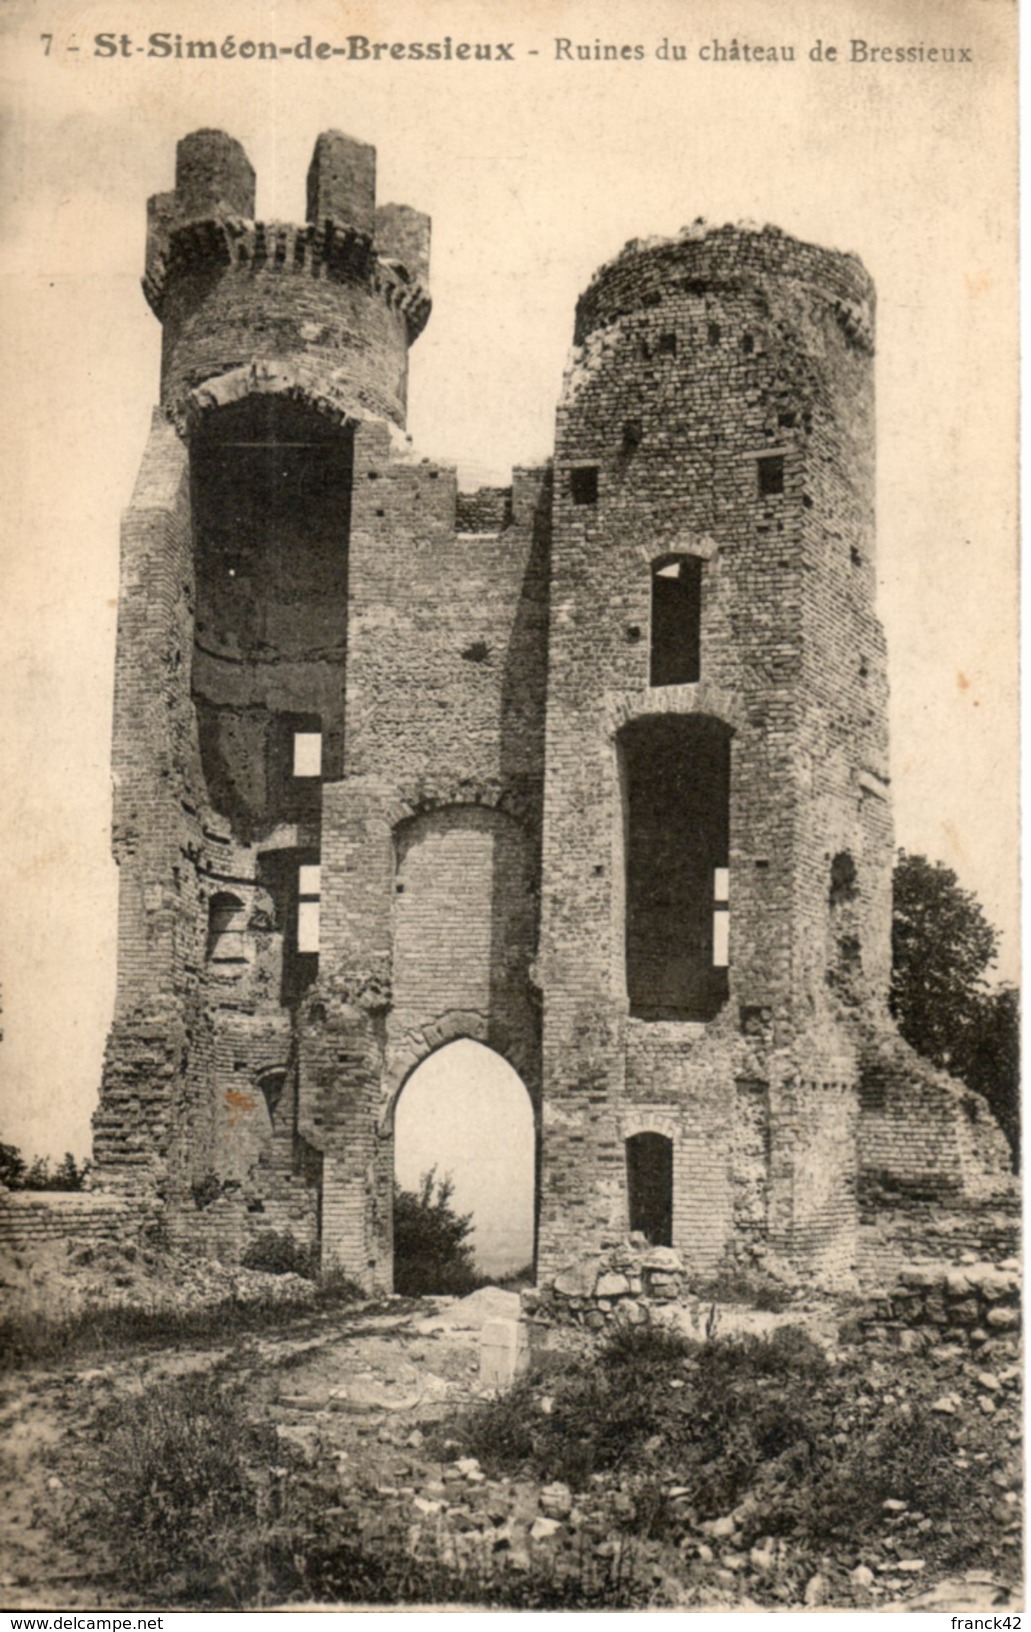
x: 534, y: 172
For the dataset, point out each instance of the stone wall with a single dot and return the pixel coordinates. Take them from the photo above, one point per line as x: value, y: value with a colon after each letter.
x: 718, y: 408
x: 966, y: 1302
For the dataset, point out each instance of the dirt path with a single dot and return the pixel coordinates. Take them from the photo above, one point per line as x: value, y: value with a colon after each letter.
x: 353, y: 1396
x: 332, y: 1382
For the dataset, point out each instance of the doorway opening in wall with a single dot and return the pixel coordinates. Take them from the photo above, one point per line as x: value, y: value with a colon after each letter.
x: 649, y: 1177
x: 465, y: 1173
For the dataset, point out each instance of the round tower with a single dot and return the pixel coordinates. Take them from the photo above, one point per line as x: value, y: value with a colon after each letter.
x: 327, y: 309
x: 717, y: 780
x: 284, y: 369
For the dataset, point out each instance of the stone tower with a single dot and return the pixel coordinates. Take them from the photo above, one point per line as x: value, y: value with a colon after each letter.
x: 590, y: 769
x: 717, y: 837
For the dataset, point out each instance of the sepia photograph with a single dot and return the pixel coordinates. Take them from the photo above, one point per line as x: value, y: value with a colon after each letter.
x: 510, y: 971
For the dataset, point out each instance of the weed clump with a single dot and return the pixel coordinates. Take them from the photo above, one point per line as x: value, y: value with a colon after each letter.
x: 187, y: 1494
x: 280, y: 1253
x: 184, y: 1491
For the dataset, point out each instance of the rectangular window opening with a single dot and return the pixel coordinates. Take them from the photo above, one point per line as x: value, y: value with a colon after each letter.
x: 721, y: 938
x: 721, y: 918
x: 771, y: 475
x: 676, y: 629
x: 583, y: 484
x: 308, y: 926
x: 309, y: 876
x: 307, y: 753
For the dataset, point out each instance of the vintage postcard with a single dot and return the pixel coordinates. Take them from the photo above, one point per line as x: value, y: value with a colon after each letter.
x: 511, y: 954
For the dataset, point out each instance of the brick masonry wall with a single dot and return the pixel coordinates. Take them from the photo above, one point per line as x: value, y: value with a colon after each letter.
x: 922, y: 1133
x: 698, y: 358
x: 475, y: 663
x: 31, y: 1219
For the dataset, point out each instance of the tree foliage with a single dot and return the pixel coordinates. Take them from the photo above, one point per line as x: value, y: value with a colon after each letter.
x: 432, y: 1252
x: 942, y: 949
x: 18, y: 1174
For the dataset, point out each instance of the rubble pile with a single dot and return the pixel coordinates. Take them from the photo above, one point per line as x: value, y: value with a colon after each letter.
x: 65, y: 1279
x: 618, y: 1285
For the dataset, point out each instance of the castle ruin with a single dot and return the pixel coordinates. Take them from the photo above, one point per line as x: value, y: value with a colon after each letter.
x: 592, y: 769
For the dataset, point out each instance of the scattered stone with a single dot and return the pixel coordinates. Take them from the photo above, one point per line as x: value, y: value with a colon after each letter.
x: 427, y: 1508
x: 893, y: 1505
x: 504, y: 1352
x: 556, y: 1500
x: 543, y: 1529
x: 611, y: 1286
x: 578, y: 1280
x: 305, y: 1402
x: 862, y: 1576
x: 816, y: 1591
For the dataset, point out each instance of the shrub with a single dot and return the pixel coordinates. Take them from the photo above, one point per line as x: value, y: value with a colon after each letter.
x: 432, y: 1252
x: 184, y: 1491
x: 757, y: 1290
x: 710, y: 1415
x: 279, y: 1253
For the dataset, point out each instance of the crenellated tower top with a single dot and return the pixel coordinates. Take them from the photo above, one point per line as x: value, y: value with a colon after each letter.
x: 325, y: 311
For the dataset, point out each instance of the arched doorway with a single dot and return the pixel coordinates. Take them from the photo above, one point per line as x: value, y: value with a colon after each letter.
x: 466, y: 1113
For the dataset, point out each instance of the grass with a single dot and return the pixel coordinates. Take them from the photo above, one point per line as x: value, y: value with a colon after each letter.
x: 187, y: 1495
x: 36, y: 1338
x: 197, y: 1503
x: 761, y: 1425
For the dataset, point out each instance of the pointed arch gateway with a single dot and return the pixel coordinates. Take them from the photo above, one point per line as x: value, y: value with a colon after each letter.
x: 465, y: 1112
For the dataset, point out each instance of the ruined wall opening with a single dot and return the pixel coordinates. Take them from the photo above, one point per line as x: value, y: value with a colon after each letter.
x: 676, y: 653
x: 649, y: 1178
x: 845, y: 954
x: 676, y: 774
x: 227, y: 929
x: 291, y: 880
x: 464, y: 1112
x: 271, y: 484
x: 271, y: 1085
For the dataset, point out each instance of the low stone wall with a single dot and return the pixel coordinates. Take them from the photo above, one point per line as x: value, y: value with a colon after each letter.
x: 896, y: 1231
x: 970, y: 1303
x: 36, y: 1218
x: 617, y: 1286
